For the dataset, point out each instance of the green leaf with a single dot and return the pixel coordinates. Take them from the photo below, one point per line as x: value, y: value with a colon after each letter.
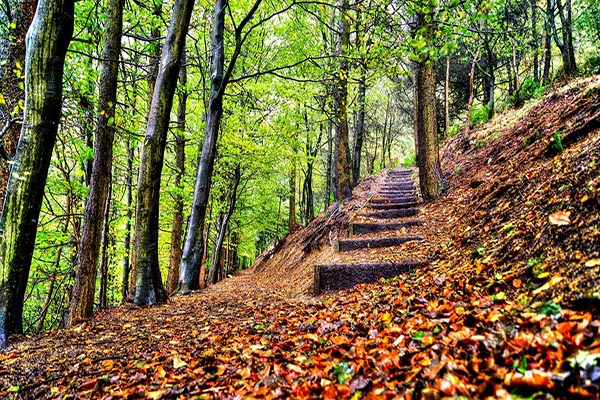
x: 550, y: 308
x: 13, y: 389
x: 584, y: 359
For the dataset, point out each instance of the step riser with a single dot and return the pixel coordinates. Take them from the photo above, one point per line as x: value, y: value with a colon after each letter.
x: 391, y: 214
x: 345, y: 276
x: 365, y: 228
x: 392, y: 206
x: 356, y: 244
x: 393, y: 200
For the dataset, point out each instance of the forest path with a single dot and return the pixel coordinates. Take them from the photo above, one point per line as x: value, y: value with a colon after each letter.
x: 381, y: 223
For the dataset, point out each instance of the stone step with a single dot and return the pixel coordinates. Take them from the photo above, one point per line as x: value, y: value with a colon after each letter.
x: 392, y: 206
x: 344, y: 276
x: 394, y: 199
x: 407, y: 212
x: 374, y: 227
x: 398, y: 186
x: 372, y: 243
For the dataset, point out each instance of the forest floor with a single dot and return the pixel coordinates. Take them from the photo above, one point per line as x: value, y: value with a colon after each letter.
x: 507, y: 304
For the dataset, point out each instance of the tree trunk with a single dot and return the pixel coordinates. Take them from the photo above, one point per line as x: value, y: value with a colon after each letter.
x: 342, y: 172
x: 447, y: 100
x: 565, y: 14
x: 149, y: 288
x: 216, y: 262
x: 82, y: 300
x: 328, y: 168
x: 193, y: 250
x: 177, y: 230
x: 292, y: 198
x: 430, y: 173
x: 535, y: 41
x: 472, y: 89
x: 125, y: 293
x: 103, y: 289
x: 11, y: 91
x: 47, y: 42
x: 360, y: 125
x: 547, y: 44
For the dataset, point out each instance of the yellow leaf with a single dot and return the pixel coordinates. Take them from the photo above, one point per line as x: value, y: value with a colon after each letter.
x: 179, y: 363
x: 594, y: 262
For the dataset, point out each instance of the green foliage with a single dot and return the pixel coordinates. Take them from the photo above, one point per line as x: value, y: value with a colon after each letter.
x: 480, y: 115
x: 531, y: 89
x: 557, y: 141
x: 531, y: 138
x: 410, y: 160
x: 592, y: 65
x: 551, y: 309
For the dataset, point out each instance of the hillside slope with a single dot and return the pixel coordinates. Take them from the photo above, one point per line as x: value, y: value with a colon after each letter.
x: 507, y: 178
x: 506, y: 306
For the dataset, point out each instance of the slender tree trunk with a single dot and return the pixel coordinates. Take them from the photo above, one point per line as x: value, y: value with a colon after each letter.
x: 535, y: 41
x: 447, y: 100
x: 568, y: 50
x: 292, y: 199
x: 547, y: 44
x: 430, y: 173
x: 12, y: 48
x: 360, y: 126
x: 103, y: 289
x: 193, y: 251
x: 472, y: 88
x: 328, y: 168
x: 125, y: 293
x: 47, y: 42
x: 216, y: 260
x: 82, y: 299
x: 177, y: 230
x: 149, y: 288
x: 342, y: 171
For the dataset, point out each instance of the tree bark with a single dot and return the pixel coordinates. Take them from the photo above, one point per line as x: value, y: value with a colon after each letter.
x: 472, y: 89
x: 535, y: 41
x: 292, y: 197
x: 328, y: 167
x: 215, y: 262
x: 342, y: 172
x: 103, y: 267
x: 148, y: 287
x: 177, y: 230
x: 430, y: 172
x: 360, y: 125
x: 82, y: 300
x: 193, y: 250
x: 565, y: 14
x: 47, y: 42
x: 125, y: 293
x: 11, y: 92
x: 446, y: 100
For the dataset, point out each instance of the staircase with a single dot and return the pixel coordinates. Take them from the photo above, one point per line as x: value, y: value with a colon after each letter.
x: 383, y: 222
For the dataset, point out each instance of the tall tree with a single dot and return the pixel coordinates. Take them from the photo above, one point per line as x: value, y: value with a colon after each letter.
x: 12, y: 49
x: 341, y: 171
x: 148, y: 282
x: 177, y: 230
x: 82, y: 298
x: 428, y: 161
x: 193, y: 249
x: 47, y: 41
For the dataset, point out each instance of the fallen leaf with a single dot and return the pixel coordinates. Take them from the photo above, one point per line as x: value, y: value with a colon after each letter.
x: 594, y: 262
x: 560, y: 218
x: 179, y: 363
